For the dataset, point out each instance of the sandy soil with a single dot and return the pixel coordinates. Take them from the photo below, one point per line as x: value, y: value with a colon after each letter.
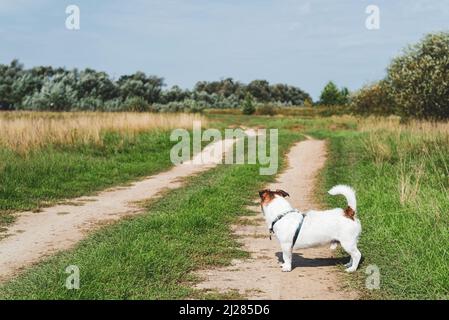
x: 315, y: 274
x: 36, y: 235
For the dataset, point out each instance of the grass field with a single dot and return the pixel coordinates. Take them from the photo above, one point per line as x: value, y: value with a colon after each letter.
x: 47, y: 157
x: 400, y: 173
x: 401, y: 176
x: 24, y: 132
x: 152, y: 256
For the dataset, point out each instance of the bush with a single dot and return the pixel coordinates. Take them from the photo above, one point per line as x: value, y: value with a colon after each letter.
x: 419, y: 79
x: 136, y: 104
x: 187, y: 105
x: 248, y: 105
x: 373, y: 99
x: 267, y: 110
x: 308, y: 103
x: 89, y: 104
x: 190, y: 105
x: 53, y: 96
x: 112, y: 105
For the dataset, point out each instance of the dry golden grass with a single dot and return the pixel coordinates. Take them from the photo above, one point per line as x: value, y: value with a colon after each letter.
x: 25, y: 131
x: 425, y: 129
x: 412, y: 144
x: 386, y: 134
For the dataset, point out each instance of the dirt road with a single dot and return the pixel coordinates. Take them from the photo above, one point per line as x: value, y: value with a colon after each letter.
x: 37, y: 235
x: 315, y: 274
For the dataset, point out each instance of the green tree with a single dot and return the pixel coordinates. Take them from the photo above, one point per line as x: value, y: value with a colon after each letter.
x: 9, y: 75
x: 141, y: 85
x: 173, y: 94
x: 344, y: 96
x: 418, y: 80
x: 248, y: 105
x: 57, y: 95
x: 135, y: 104
x: 330, y: 95
x: 93, y: 84
x: 260, y: 90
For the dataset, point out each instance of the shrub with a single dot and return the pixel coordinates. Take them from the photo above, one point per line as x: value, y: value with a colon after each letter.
x: 112, y: 105
x: 266, y: 109
x: 190, y: 105
x: 187, y: 105
x: 372, y: 99
x: 248, y: 105
x: 89, y: 104
x: 54, y: 96
x: 308, y: 103
x: 136, y: 104
x: 419, y: 79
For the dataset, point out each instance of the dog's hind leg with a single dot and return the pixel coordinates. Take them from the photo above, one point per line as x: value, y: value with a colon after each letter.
x: 287, y: 257
x: 351, y: 249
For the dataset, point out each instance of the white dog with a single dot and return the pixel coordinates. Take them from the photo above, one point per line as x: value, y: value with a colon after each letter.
x: 313, y: 228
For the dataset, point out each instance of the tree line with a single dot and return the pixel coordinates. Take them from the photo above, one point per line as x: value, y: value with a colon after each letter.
x: 416, y: 85
x: 59, y: 89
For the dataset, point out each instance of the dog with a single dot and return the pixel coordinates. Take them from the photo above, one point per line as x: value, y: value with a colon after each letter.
x: 296, y: 230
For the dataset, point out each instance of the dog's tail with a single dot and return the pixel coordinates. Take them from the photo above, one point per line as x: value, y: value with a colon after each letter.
x: 347, y: 192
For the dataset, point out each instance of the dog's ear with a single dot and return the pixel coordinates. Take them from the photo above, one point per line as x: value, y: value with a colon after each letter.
x: 262, y: 192
x: 282, y: 193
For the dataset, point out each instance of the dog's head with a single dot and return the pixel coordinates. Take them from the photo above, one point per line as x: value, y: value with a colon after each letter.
x: 266, y: 195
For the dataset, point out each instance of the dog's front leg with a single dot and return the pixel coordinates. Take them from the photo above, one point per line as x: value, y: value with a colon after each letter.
x: 287, y: 256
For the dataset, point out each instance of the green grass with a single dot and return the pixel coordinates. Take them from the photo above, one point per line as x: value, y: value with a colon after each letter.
x: 60, y: 172
x: 152, y: 256
x: 407, y: 240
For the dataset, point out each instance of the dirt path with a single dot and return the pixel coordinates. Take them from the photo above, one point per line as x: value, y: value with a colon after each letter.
x: 314, y: 274
x: 37, y: 235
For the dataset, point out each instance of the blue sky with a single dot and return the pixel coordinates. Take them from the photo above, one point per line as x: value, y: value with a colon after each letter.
x: 303, y: 43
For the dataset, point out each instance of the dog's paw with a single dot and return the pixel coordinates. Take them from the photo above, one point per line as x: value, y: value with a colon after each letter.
x: 350, y: 269
x: 286, y: 268
x: 348, y: 265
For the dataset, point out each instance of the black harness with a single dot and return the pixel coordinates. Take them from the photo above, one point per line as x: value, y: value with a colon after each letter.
x: 298, y: 229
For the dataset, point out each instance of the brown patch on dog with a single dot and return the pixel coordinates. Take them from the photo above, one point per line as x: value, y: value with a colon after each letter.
x: 282, y: 193
x: 267, y: 195
x: 349, y: 213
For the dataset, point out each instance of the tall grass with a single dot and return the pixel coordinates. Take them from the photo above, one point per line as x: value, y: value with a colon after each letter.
x: 25, y: 131
x: 46, y: 157
x: 420, y: 149
x: 400, y: 172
